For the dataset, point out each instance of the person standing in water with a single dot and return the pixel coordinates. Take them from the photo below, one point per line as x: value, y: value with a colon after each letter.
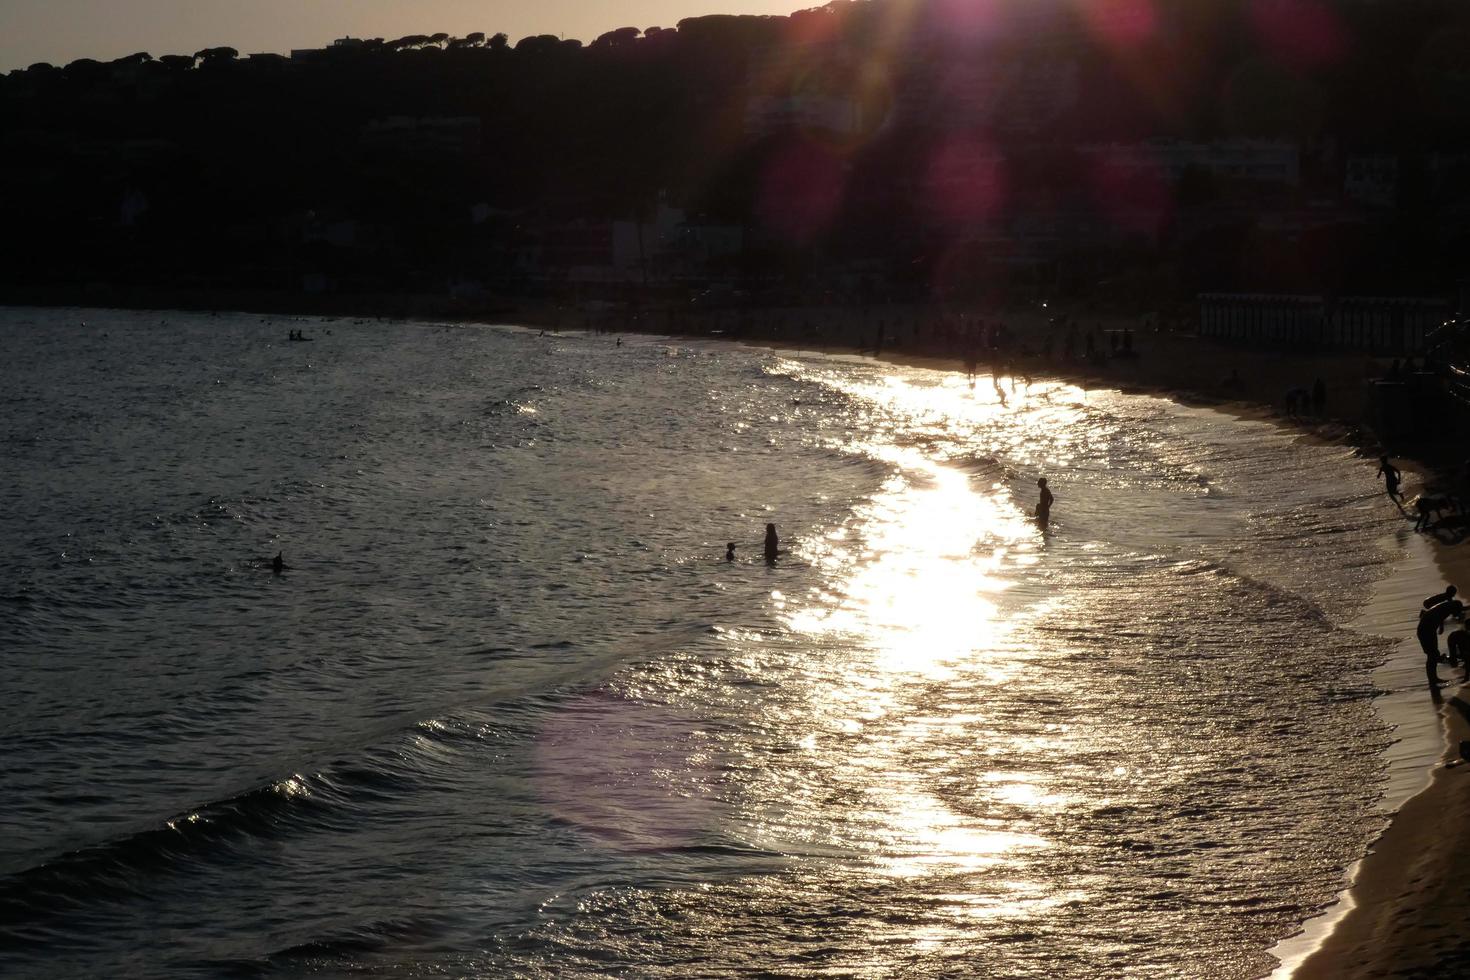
x: 729, y: 550
x: 1431, y: 622
x: 773, y: 544
x: 1391, y: 478
x: 1043, y: 505
x: 278, y: 563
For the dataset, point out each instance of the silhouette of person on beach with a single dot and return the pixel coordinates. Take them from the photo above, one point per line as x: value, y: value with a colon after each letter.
x: 729, y: 550
x: 1043, y: 505
x: 1431, y: 623
x: 1434, y: 600
x: 773, y: 544
x: 1458, y: 643
x: 1391, y: 478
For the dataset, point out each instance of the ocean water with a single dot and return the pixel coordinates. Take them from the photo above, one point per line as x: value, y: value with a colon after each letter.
x: 508, y: 712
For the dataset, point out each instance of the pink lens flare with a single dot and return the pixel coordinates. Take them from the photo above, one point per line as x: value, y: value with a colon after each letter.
x: 1121, y: 25
x: 965, y: 183
x: 624, y: 772
x: 800, y: 191
x: 1303, y: 34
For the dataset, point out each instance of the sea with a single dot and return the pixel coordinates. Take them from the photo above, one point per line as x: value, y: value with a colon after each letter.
x: 508, y: 711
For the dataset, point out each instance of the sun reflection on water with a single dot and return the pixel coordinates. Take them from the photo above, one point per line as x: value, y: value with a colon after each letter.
x: 910, y: 603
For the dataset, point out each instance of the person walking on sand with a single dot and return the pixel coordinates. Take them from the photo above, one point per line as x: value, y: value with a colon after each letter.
x: 1043, y: 505
x: 1431, y: 624
x: 773, y: 544
x: 1391, y: 479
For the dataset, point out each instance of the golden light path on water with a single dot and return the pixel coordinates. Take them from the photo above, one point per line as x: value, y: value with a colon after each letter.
x: 914, y: 584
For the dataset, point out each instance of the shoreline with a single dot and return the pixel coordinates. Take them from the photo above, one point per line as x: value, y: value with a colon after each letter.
x: 1419, y: 747
x: 1398, y: 909
x: 1403, y: 910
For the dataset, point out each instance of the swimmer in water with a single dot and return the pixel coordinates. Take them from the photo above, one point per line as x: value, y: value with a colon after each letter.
x: 729, y: 550
x: 278, y: 564
x: 773, y: 544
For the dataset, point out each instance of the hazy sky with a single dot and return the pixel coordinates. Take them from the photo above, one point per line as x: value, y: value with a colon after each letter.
x: 59, y: 31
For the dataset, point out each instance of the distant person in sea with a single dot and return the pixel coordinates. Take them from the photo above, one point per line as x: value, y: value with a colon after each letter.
x: 278, y: 563
x: 1391, y: 479
x: 729, y: 550
x: 1431, y: 624
x: 773, y: 544
x: 1043, y: 505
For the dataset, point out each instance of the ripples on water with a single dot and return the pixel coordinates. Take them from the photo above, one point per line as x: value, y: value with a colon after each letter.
x: 509, y: 713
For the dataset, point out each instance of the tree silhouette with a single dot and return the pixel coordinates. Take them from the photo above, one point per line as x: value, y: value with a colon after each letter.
x: 826, y: 140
